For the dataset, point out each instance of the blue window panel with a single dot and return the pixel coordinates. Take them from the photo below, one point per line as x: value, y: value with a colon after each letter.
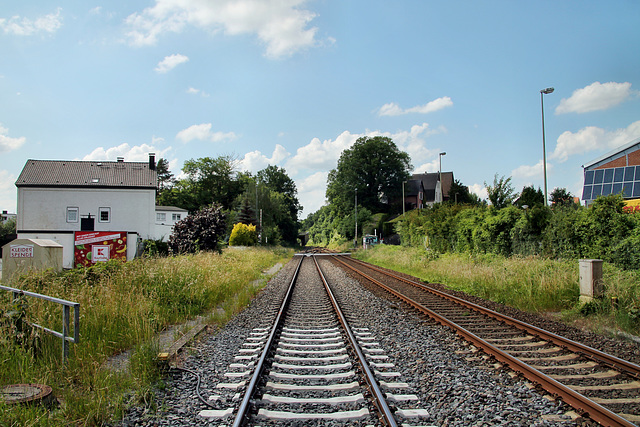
x: 636, y: 189
x: 618, y: 175
x: 599, y: 175
x: 606, y: 189
x: 608, y: 175
x: 626, y: 189
x: 637, y: 178
x: 597, y: 190
x: 628, y: 173
x: 617, y: 188
x: 586, y: 192
x: 588, y: 177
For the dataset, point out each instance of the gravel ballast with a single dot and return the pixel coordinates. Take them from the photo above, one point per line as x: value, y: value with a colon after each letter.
x: 457, y: 386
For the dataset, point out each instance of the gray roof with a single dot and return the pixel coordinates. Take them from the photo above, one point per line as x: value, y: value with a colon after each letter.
x: 170, y: 209
x: 98, y: 174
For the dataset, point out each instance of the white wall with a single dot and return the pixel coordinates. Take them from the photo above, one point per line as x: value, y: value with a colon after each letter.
x: 46, y: 209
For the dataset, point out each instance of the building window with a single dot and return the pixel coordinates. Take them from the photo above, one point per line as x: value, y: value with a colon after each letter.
x: 161, y: 217
x: 72, y: 214
x: 105, y: 215
x: 175, y: 217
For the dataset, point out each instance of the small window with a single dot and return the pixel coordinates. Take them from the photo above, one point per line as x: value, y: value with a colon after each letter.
x: 597, y: 190
x: 588, y: 177
x: 105, y: 215
x: 618, y: 175
x: 606, y: 189
x: 598, y: 176
x: 617, y: 188
x: 175, y: 217
x: 586, y: 192
x: 608, y: 176
x: 626, y: 190
x: 636, y: 189
x: 161, y: 217
x: 72, y: 214
x: 628, y: 173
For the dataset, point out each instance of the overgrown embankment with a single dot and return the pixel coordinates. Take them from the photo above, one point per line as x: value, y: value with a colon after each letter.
x: 123, y: 306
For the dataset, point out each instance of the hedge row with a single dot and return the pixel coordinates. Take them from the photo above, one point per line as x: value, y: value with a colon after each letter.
x: 603, y: 230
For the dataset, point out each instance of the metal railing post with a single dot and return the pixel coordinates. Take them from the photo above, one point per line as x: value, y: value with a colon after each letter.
x: 65, y: 332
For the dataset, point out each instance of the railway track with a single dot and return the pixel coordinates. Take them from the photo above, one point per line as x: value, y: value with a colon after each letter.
x: 312, y: 367
x: 599, y: 386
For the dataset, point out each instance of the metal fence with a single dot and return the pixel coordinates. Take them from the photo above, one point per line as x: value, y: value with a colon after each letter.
x: 66, y: 311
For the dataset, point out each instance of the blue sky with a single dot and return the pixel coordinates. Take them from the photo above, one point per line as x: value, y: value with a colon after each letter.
x: 293, y: 83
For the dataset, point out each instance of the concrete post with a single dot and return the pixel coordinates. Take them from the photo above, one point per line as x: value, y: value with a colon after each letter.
x: 590, y: 279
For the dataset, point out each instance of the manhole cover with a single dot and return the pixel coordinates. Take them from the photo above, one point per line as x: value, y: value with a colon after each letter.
x: 23, y: 393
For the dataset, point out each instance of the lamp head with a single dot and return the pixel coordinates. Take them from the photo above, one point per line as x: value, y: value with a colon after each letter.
x: 547, y: 91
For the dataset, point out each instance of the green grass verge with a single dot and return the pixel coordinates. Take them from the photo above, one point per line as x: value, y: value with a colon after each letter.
x: 123, y: 306
x: 531, y: 284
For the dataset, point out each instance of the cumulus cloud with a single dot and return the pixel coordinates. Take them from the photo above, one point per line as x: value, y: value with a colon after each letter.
x: 255, y: 160
x: 593, y: 138
x: 393, y: 109
x: 525, y: 172
x: 597, y: 96
x: 170, y: 62
x: 203, y: 132
x: 194, y: 91
x: 311, y: 192
x: 321, y: 155
x: 480, y: 190
x: 8, y: 193
x: 281, y: 25
x: 8, y: 143
x: 20, y: 26
x: 137, y: 153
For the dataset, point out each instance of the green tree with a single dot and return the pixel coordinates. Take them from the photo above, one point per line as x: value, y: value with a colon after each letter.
x: 375, y: 168
x: 501, y: 193
x: 459, y: 193
x: 530, y: 197
x: 561, y: 197
x: 165, y: 177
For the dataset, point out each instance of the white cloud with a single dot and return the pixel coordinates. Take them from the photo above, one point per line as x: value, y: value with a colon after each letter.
x: 8, y: 143
x: 596, y: 96
x: 525, y: 172
x: 194, y: 91
x: 170, y: 62
x: 255, y: 160
x: 8, y: 192
x: 321, y: 155
x: 27, y: 27
x: 281, y: 25
x: 593, y: 138
x: 311, y: 192
x: 203, y: 132
x: 393, y: 109
x: 137, y: 153
x: 480, y: 190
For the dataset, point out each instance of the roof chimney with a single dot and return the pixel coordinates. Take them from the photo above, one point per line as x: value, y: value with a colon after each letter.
x: 152, y: 161
x: 120, y: 159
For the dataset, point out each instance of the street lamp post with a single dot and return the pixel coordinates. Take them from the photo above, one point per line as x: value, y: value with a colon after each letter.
x: 544, y: 149
x: 355, y: 238
x: 403, y: 200
x: 440, y: 176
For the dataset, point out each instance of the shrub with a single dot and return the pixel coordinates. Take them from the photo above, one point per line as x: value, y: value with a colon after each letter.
x: 199, y: 231
x: 243, y: 235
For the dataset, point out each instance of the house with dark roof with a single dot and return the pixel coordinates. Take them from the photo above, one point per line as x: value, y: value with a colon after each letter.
x: 435, y: 187
x: 617, y: 172
x: 79, y: 203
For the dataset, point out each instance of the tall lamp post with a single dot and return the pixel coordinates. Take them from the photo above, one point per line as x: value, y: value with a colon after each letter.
x: 544, y: 92
x: 440, y: 177
x: 355, y: 238
x: 403, y: 199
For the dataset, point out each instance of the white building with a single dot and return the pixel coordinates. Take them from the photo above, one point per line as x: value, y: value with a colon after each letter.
x: 166, y: 218
x: 59, y: 200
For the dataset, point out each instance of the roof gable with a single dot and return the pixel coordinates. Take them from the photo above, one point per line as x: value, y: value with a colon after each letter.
x: 99, y: 174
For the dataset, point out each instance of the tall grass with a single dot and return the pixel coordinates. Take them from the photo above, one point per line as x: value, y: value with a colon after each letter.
x: 123, y: 306
x: 531, y: 284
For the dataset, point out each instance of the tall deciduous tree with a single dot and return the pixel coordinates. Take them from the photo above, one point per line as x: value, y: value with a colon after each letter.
x: 376, y: 168
x: 211, y: 180
x: 501, y: 193
x: 530, y: 197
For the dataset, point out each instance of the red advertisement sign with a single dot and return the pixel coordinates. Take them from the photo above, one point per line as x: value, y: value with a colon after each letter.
x: 99, y: 246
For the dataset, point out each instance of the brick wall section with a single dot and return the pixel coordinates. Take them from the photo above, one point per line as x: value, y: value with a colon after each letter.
x: 631, y: 159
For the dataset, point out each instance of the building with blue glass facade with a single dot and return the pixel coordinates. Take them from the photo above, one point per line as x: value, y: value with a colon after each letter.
x: 617, y: 172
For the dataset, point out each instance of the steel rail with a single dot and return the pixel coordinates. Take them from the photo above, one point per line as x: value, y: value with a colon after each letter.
x: 378, y: 395
x: 589, y: 352
x: 251, y: 388
x: 576, y: 400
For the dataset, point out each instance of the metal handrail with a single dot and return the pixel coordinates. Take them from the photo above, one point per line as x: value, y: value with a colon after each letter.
x: 66, y: 308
